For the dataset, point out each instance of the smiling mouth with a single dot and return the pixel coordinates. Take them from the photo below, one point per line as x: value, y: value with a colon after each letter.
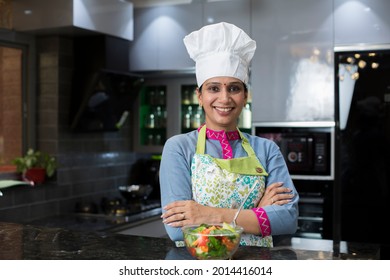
x: 224, y: 109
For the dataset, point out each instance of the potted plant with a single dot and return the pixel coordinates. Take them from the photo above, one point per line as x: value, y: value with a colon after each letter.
x: 35, y: 166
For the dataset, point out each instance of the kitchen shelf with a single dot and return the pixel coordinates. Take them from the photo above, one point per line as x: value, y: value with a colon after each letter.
x: 192, y: 115
x: 153, y: 115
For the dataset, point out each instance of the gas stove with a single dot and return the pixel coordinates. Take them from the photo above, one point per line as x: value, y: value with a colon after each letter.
x: 116, y: 207
x: 111, y: 216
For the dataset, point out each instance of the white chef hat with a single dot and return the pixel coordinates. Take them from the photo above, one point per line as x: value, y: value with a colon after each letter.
x: 220, y: 49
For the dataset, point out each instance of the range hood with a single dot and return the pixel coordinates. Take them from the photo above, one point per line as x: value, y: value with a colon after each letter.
x: 74, y: 17
x: 104, y: 90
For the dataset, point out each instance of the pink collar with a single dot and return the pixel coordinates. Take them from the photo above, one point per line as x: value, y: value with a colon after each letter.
x: 223, y: 137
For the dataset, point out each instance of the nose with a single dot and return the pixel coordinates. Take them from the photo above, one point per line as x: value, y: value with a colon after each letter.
x: 224, y: 94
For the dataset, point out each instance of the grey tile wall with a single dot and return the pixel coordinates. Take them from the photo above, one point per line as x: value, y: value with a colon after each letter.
x: 91, y: 165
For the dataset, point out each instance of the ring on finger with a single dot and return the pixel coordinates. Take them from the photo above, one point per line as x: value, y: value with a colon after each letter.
x: 272, y: 201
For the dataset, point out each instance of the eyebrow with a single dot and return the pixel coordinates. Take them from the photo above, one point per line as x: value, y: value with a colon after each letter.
x: 228, y: 84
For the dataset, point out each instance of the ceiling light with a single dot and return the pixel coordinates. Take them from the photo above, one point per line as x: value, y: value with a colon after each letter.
x: 362, y: 64
x: 374, y: 65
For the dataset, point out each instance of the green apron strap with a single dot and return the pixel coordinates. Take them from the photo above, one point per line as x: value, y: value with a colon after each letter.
x: 249, y: 165
x: 243, y: 165
x: 201, y: 143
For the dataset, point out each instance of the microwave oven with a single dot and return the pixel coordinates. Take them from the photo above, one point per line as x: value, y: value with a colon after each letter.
x: 307, y: 147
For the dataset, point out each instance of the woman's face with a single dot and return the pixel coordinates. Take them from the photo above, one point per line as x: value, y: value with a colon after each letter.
x: 223, y: 99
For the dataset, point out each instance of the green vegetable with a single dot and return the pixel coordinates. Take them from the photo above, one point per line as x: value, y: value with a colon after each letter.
x: 212, y: 241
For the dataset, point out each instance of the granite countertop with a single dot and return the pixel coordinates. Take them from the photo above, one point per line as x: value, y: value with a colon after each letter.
x: 32, y: 242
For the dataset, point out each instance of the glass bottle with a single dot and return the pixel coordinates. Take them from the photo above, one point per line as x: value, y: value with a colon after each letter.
x: 187, y: 118
x: 247, y: 116
x: 187, y: 121
x: 186, y: 97
x: 150, y: 121
x: 161, y: 97
x: 197, y: 119
x: 194, y: 97
x: 158, y: 117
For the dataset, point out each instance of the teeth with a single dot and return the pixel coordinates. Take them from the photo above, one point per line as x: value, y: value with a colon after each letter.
x: 224, y: 109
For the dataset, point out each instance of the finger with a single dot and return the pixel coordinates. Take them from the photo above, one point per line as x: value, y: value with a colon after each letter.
x: 282, y: 201
x: 282, y: 196
x: 273, y: 187
x: 280, y: 191
x: 178, y: 223
x: 173, y: 218
x: 172, y: 212
x: 177, y: 220
x: 284, y: 190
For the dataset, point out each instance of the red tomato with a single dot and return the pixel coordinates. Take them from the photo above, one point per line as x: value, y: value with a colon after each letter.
x: 202, y: 241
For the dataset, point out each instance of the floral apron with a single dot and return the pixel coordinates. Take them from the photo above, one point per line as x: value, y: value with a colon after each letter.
x: 225, y: 182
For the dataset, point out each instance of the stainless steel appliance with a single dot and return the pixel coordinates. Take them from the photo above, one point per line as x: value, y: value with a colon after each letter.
x: 134, y: 210
x: 363, y: 135
x: 308, y: 148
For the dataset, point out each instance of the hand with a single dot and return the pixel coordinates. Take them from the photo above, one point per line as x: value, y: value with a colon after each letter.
x: 186, y: 212
x: 276, y: 194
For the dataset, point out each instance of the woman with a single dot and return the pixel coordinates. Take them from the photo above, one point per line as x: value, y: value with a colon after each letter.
x: 205, y: 174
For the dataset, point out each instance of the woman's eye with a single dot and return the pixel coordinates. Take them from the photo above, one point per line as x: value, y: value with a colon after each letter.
x: 214, y: 89
x: 230, y: 89
x: 234, y: 89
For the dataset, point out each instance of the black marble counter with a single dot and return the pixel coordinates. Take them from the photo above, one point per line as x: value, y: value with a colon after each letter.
x: 95, y: 222
x: 32, y: 242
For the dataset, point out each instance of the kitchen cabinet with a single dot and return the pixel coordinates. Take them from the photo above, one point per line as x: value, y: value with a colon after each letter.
x: 159, y: 31
x: 192, y: 115
x: 235, y: 12
x: 292, y: 70
x: 161, y: 109
x: 158, y: 37
x: 361, y: 22
x: 153, y: 115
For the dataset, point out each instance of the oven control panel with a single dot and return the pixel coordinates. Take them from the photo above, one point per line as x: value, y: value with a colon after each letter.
x: 308, y: 151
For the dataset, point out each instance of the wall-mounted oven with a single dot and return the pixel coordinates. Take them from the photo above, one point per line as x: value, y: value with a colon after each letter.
x: 308, y: 149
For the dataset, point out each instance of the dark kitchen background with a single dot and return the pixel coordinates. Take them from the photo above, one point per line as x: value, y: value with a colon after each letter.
x: 307, y: 52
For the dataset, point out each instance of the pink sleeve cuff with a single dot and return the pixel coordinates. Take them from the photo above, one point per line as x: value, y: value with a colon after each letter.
x: 262, y: 218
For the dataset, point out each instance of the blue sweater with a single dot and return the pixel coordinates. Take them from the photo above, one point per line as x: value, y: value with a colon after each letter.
x: 175, y: 176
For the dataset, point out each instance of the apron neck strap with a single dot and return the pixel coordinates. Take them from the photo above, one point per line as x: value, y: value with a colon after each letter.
x: 201, y: 143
